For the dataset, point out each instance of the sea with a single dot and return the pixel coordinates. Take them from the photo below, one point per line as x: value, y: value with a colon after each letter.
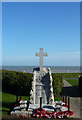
x: 54, y: 69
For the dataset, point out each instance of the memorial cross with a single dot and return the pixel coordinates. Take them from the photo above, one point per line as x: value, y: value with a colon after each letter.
x: 41, y: 55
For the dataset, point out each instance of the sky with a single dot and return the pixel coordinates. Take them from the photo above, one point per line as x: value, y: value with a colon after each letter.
x: 28, y: 26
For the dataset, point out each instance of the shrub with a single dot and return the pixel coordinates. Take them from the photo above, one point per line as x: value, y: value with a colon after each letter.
x: 57, y: 84
x: 16, y: 82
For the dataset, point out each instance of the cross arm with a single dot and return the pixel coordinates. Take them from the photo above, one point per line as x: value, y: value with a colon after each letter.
x: 45, y: 54
x: 37, y: 54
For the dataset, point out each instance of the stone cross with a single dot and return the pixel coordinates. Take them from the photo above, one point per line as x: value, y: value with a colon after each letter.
x: 41, y: 55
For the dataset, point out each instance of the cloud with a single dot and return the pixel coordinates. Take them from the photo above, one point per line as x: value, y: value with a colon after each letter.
x: 65, y: 58
x: 55, y: 59
x: 19, y: 60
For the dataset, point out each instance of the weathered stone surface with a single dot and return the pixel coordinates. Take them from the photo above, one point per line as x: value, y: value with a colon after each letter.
x: 42, y: 87
x: 41, y: 55
x: 42, y: 83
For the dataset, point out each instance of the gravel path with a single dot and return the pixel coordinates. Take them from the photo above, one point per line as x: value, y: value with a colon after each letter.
x: 73, y: 92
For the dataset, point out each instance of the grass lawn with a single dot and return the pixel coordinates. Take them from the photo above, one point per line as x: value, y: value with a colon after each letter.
x: 69, y: 75
x: 73, y: 82
x: 7, y: 100
x: 58, y: 99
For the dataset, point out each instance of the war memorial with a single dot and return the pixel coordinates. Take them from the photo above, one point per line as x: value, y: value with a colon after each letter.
x: 41, y: 103
x: 42, y: 83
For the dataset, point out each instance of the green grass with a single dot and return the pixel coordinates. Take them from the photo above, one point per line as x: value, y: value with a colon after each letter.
x: 73, y: 82
x: 7, y: 100
x: 69, y: 75
x: 58, y: 99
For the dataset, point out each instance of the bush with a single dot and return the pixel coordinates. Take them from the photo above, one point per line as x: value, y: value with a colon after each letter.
x: 57, y: 84
x: 16, y: 82
x: 19, y: 83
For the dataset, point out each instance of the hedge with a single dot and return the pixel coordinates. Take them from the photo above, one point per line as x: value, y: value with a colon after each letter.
x: 16, y: 82
x: 57, y: 84
x: 19, y: 83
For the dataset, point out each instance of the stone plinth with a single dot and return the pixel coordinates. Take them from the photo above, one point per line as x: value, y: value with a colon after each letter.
x: 42, y: 87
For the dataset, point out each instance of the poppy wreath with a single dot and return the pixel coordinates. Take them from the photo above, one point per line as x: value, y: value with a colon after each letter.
x: 65, y: 101
x: 69, y: 112
x: 66, y: 106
